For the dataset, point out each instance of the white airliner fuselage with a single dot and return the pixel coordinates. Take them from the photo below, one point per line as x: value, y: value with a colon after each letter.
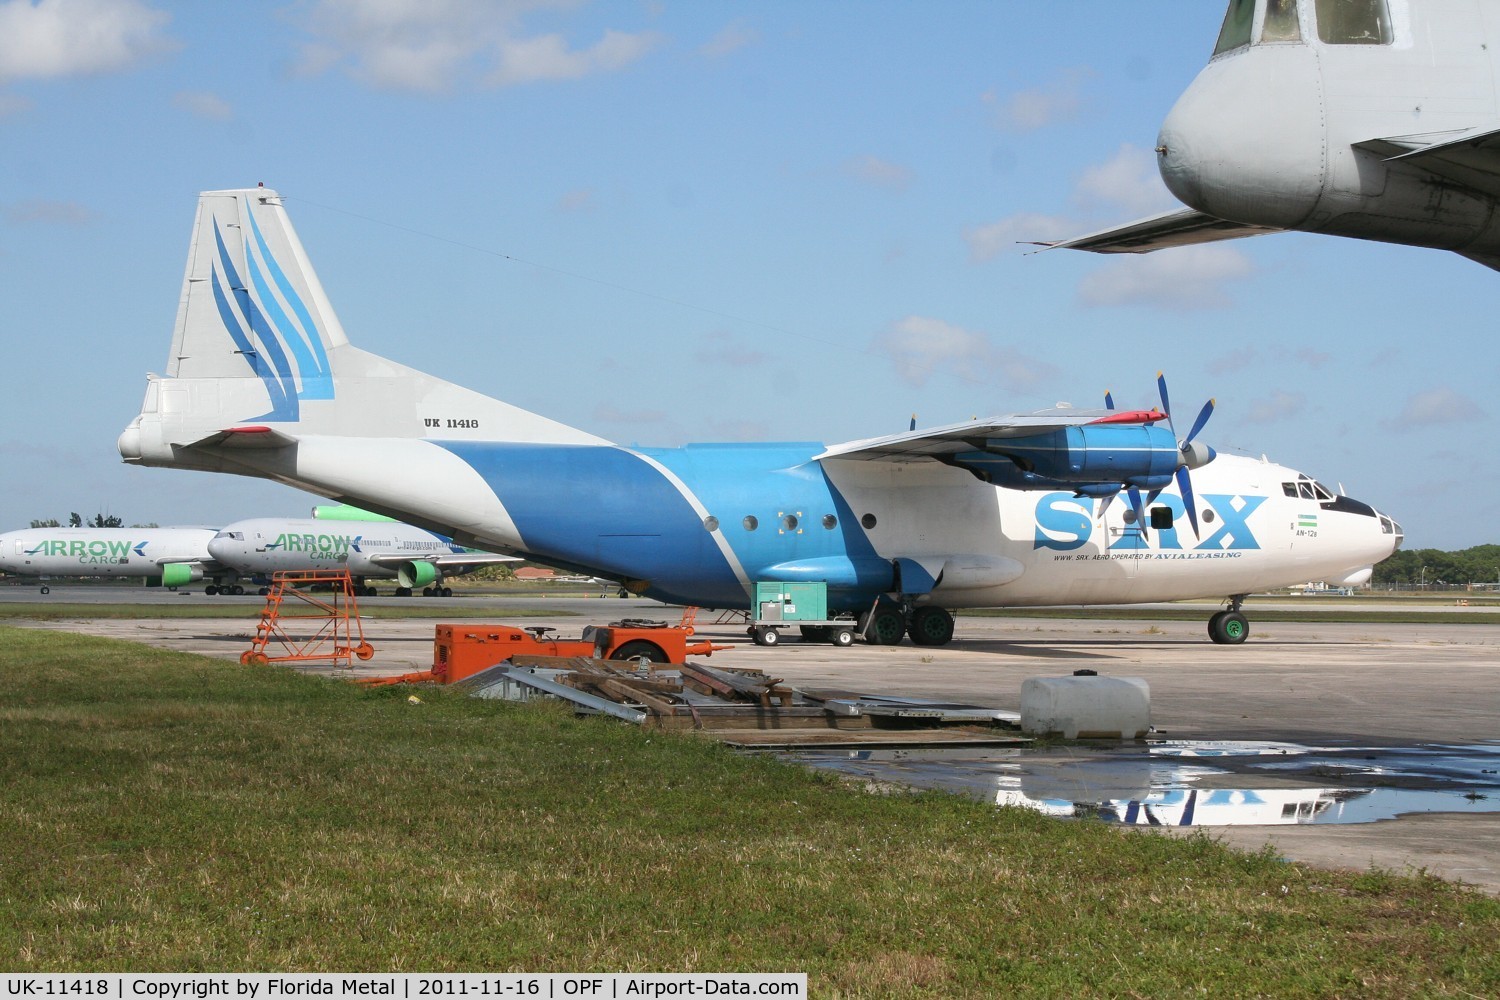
x: 172, y: 557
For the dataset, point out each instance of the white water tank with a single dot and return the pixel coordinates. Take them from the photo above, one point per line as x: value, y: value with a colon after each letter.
x: 1086, y: 706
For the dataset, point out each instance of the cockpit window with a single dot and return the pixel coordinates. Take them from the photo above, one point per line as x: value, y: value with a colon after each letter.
x: 1354, y: 22
x: 1290, y: 489
x: 238, y: 536
x: 1281, y: 22
x: 1238, y: 20
x: 1307, y: 491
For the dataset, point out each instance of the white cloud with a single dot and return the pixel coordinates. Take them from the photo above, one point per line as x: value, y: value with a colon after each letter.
x: 1434, y: 407
x: 1011, y: 234
x: 434, y: 46
x: 1281, y: 405
x: 50, y: 213
x: 879, y: 173
x: 921, y: 346
x: 734, y: 37
x: 580, y: 200
x: 1038, y: 107
x: 59, y: 38
x: 1128, y: 181
x: 203, y: 104
x: 720, y: 348
x: 1236, y: 359
x: 1185, y: 278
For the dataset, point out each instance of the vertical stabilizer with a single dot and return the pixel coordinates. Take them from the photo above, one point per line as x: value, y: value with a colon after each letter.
x: 259, y: 361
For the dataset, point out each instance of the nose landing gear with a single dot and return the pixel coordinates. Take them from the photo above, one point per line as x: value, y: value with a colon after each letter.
x: 1230, y: 627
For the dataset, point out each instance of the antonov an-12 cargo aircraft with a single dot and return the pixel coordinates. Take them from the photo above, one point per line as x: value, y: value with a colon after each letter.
x: 1005, y: 511
x: 1376, y: 119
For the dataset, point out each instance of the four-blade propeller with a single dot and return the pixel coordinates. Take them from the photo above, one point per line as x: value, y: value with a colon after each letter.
x: 1190, y: 456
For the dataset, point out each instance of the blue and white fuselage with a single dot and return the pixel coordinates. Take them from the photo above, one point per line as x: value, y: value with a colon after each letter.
x: 1012, y: 510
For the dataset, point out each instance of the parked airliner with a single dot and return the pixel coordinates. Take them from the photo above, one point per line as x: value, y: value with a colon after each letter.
x: 369, y: 549
x: 1375, y: 119
x: 167, y: 557
x: 261, y: 380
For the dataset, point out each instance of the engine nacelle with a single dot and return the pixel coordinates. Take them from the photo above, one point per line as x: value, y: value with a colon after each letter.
x: 1094, y: 459
x: 180, y: 574
x: 416, y: 574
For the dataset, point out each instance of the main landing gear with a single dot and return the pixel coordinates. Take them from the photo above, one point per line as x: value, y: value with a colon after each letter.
x: 887, y: 624
x: 1230, y: 627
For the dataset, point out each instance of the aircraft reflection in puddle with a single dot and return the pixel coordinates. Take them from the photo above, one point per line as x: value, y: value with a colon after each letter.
x: 1197, y: 784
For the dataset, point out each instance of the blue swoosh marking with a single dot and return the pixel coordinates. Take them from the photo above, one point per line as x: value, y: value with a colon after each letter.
x: 637, y: 524
x: 280, y: 408
x: 276, y: 374
x: 305, y: 342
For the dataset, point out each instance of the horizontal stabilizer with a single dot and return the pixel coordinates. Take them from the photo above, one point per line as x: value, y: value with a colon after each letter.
x: 1470, y: 157
x: 1180, y: 228
x: 258, y: 437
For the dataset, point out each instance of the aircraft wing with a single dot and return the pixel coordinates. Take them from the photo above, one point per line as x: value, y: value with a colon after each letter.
x: 1180, y: 228
x: 939, y: 442
x: 1470, y: 157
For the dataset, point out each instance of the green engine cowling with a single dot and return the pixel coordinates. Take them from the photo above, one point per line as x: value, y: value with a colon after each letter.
x: 180, y: 574
x: 416, y: 574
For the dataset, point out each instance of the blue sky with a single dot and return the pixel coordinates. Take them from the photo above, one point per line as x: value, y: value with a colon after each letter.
x: 691, y: 221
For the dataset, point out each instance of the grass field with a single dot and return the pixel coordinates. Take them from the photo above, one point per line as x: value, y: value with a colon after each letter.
x: 164, y: 811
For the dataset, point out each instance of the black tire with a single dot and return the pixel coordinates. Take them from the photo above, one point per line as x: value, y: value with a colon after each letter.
x: 814, y: 633
x: 1229, y: 628
x: 886, y: 627
x: 444, y: 591
x: 372, y: 591
x: 264, y: 591
x: 841, y: 635
x: 403, y: 591
x: 931, y: 627
x: 46, y: 590
x: 766, y: 636
x: 640, y: 647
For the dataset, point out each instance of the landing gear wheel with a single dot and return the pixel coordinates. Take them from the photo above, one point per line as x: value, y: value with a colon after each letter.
x: 765, y: 636
x: 444, y: 591
x: 931, y: 627
x: 426, y: 591
x: 372, y: 592
x: 46, y: 590
x: 885, y: 628
x: 403, y: 591
x: 637, y: 648
x: 239, y: 591
x: 841, y: 635
x: 814, y: 633
x: 211, y: 590
x: 1228, y: 628
x: 364, y: 651
x: 264, y: 591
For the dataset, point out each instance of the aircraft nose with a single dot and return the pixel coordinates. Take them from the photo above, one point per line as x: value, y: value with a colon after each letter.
x: 1245, y: 141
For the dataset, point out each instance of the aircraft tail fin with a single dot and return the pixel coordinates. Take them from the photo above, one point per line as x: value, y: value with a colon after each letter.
x: 259, y: 359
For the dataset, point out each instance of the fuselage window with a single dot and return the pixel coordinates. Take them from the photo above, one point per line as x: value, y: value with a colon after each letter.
x: 751, y: 522
x: 1354, y: 22
x: 830, y: 522
x: 1238, y: 20
x: 1281, y: 22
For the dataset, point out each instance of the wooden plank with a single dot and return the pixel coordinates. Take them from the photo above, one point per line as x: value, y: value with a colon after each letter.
x: 699, y: 678
x: 623, y: 692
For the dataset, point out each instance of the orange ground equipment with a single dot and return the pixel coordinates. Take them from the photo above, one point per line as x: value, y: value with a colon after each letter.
x: 460, y: 651
x: 325, y: 629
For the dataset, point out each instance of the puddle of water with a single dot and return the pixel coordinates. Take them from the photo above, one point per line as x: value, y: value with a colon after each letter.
x: 1197, y: 784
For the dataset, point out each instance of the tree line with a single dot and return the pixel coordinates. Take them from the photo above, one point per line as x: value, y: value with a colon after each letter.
x: 1436, y: 568
x: 97, y: 521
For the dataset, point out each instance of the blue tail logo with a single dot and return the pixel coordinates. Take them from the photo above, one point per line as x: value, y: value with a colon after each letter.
x: 272, y: 328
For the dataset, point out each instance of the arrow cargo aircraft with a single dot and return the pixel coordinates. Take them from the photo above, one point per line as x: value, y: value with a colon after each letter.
x: 262, y: 381
x: 373, y: 548
x: 1376, y: 119
x: 166, y: 557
